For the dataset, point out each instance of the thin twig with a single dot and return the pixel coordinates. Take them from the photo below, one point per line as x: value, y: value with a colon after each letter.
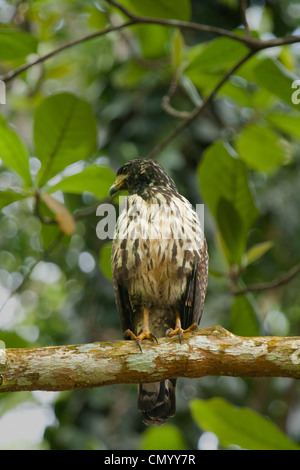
x: 166, y: 101
x: 244, y: 17
x: 252, y: 43
x: 280, y: 281
x: 200, y: 110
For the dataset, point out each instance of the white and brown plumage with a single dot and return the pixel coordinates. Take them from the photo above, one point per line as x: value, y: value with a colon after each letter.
x: 159, y: 264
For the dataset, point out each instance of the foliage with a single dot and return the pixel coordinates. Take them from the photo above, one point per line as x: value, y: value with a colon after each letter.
x: 70, y: 121
x: 239, y: 426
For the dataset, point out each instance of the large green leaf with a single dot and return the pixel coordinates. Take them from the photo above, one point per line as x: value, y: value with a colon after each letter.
x: 261, y: 148
x: 287, y: 123
x: 16, y: 44
x: 243, y: 317
x: 93, y: 178
x: 239, y: 426
x: 208, y: 62
x: 231, y: 228
x: 223, y: 177
x: 237, y: 89
x: 64, y: 132
x: 13, y: 153
x: 171, y: 9
x: 275, y: 78
x: 7, y: 197
x: 214, y: 56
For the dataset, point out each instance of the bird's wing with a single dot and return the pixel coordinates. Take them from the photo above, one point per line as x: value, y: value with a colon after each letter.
x: 119, y: 278
x: 123, y: 306
x: 195, y: 291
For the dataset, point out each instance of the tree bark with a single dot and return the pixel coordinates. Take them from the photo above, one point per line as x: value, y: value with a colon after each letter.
x: 209, y: 351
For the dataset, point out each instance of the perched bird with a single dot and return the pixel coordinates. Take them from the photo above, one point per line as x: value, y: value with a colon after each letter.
x: 159, y: 265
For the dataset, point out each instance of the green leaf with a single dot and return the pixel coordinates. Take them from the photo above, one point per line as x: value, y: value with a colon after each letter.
x: 209, y: 62
x: 274, y: 77
x: 170, y: 9
x: 243, y: 317
x: 215, y: 56
x: 7, y: 197
x: 287, y: 123
x: 16, y: 44
x: 93, y: 178
x: 222, y: 176
x: 239, y: 426
x: 257, y: 251
x: 177, y: 49
x: 231, y: 228
x: 237, y: 89
x: 167, y: 437
x: 105, y: 260
x: 261, y: 148
x: 153, y: 41
x: 13, y: 340
x: 65, y: 132
x: 13, y: 153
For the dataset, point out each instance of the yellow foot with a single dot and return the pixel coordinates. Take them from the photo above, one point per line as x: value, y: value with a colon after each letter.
x: 128, y: 334
x: 180, y: 332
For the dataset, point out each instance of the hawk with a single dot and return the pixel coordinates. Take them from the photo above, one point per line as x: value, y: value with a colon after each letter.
x: 159, y: 265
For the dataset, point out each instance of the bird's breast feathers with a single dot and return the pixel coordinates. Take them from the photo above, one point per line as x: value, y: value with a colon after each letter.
x: 156, y: 243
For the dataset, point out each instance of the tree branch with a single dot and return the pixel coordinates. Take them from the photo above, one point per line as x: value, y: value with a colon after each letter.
x: 200, y: 110
x: 179, y: 24
x: 13, y: 73
x: 252, y: 43
x: 210, y: 351
x: 262, y: 286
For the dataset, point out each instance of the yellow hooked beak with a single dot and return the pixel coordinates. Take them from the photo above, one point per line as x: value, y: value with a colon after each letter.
x: 118, y: 185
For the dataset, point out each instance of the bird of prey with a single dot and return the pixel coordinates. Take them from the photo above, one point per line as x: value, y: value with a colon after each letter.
x: 159, y: 265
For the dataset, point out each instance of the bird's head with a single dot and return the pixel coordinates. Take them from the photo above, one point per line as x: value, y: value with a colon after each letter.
x: 140, y: 174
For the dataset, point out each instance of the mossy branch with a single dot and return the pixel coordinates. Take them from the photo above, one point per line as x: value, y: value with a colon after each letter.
x: 209, y: 351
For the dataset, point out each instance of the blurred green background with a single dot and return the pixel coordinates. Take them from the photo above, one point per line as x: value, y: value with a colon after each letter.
x: 68, y: 124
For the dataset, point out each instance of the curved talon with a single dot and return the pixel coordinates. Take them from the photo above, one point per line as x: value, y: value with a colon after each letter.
x: 154, y: 337
x: 180, y: 331
x: 145, y: 334
x: 180, y: 336
x: 128, y: 334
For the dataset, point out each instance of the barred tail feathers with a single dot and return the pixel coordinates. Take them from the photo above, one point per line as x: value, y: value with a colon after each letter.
x: 157, y: 401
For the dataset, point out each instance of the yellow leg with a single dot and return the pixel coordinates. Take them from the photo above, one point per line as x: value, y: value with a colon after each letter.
x: 146, y: 333
x: 178, y: 331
